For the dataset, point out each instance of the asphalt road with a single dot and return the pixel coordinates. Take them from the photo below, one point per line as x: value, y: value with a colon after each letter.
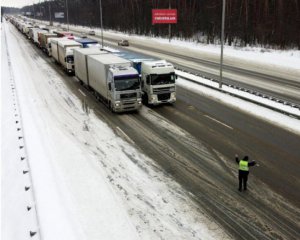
x: 194, y: 141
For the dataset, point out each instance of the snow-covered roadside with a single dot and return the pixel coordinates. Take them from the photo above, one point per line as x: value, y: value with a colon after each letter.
x: 91, y: 184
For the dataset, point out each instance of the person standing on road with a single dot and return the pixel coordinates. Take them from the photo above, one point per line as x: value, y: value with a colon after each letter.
x: 243, y: 170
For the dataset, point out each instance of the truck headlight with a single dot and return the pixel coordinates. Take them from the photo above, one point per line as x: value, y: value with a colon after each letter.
x: 117, y: 104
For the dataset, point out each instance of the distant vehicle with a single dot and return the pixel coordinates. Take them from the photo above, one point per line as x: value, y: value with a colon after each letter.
x: 91, y: 32
x: 43, y: 39
x: 62, y: 52
x: 68, y: 35
x: 123, y: 43
x: 82, y: 35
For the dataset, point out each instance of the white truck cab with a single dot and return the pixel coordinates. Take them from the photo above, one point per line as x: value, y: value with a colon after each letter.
x: 158, y: 82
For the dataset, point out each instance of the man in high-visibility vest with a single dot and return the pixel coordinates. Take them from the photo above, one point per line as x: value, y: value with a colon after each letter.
x: 243, y: 170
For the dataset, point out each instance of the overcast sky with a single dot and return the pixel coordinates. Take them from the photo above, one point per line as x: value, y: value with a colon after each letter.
x: 18, y: 3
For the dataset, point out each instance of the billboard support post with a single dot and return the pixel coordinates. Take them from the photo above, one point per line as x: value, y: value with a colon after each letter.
x: 169, y: 23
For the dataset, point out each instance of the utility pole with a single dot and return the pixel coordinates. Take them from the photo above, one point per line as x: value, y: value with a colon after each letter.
x: 222, y: 44
x: 101, y: 22
x: 50, y: 18
x: 67, y: 13
x: 40, y: 13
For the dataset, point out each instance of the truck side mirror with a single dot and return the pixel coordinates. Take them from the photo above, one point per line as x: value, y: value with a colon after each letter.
x: 148, y: 79
x: 109, y: 86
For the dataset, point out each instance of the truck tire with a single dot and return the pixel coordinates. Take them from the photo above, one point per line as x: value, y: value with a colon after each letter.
x: 111, y: 107
x: 145, y: 98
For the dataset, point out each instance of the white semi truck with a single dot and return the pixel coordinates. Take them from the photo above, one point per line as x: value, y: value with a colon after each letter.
x: 62, y: 52
x: 36, y: 32
x: 158, y: 78
x: 113, y: 79
x: 158, y: 81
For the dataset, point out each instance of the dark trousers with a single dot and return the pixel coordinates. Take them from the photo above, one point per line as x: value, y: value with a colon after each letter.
x: 243, y: 178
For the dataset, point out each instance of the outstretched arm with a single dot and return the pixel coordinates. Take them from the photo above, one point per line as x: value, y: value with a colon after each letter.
x: 237, y: 158
x: 250, y: 164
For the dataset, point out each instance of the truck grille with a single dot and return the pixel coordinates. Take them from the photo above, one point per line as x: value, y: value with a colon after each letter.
x: 164, y: 96
x: 161, y: 90
x: 128, y: 95
x: 129, y: 103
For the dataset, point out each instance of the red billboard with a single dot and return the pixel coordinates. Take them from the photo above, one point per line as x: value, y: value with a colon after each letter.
x: 161, y: 16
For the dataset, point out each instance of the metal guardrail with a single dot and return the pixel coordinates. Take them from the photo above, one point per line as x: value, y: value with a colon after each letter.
x: 251, y: 91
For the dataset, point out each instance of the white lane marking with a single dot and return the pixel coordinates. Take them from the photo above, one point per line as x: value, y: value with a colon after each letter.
x: 219, y: 122
x: 125, y: 135
x: 82, y: 92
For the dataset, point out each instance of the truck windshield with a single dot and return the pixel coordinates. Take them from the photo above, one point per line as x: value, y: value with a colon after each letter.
x: 70, y: 59
x: 160, y: 79
x: 127, y: 82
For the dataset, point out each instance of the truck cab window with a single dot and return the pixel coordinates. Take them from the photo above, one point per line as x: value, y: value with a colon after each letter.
x: 160, y: 79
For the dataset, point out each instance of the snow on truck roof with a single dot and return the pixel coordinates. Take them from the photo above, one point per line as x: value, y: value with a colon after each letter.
x: 160, y: 63
x: 86, y: 40
x: 110, y: 59
x: 88, y: 51
x: 68, y: 42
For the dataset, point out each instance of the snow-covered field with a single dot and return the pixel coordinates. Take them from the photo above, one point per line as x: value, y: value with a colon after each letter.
x: 86, y: 182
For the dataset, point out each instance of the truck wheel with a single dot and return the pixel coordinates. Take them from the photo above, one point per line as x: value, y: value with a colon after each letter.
x: 111, y: 107
x: 145, y: 98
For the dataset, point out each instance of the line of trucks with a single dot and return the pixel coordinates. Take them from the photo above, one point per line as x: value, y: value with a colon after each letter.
x: 121, y: 81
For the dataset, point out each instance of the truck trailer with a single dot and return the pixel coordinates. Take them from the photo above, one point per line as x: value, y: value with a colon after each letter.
x: 62, y: 52
x: 114, y: 80
x: 44, y: 40
x: 36, y: 32
x: 80, y: 59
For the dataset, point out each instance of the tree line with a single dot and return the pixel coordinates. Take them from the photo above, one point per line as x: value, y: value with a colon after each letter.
x: 270, y: 23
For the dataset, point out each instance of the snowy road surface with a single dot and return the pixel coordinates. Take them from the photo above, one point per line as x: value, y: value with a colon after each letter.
x: 89, y: 162
x: 107, y: 190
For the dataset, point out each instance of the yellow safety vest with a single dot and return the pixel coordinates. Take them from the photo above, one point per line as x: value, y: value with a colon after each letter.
x: 243, y: 165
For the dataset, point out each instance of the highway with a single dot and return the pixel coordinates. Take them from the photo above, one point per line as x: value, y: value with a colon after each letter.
x: 284, y: 85
x: 194, y: 142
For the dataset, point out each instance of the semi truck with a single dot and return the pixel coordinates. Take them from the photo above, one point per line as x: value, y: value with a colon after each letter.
x: 62, y: 52
x: 158, y: 81
x: 113, y: 80
x: 36, y: 32
x: 86, y: 42
x: 44, y: 41
x: 157, y: 78
x: 68, y: 35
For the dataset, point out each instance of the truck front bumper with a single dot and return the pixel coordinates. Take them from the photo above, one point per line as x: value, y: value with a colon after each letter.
x: 128, y: 105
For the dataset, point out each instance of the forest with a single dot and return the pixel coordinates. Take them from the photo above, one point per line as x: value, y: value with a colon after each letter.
x: 268, y: 23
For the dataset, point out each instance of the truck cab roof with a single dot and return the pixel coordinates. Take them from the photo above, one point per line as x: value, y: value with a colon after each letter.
x: 90, y: 51
x: 158, y: 67
x: 123, y: 70
x: 86, y: 40
x: 68, y: 43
